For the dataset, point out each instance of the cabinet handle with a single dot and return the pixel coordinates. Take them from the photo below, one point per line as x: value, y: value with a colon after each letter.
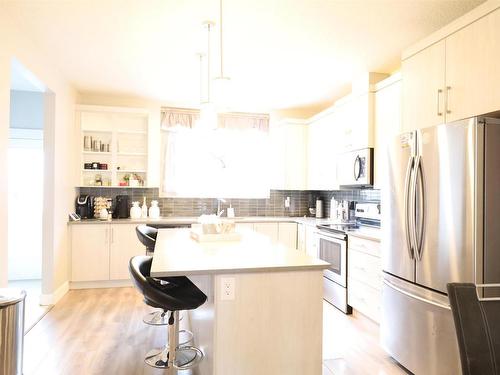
x: 448, y: 88
x: 439, y: 92
x: 112, y: 235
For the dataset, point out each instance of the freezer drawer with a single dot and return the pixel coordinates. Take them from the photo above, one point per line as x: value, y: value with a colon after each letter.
x: 417, y: 329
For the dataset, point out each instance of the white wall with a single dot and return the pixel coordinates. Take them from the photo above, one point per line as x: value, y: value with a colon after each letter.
x: 58, y: 144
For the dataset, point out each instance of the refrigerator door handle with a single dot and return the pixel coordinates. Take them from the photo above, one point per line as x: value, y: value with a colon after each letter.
x: 414, y: 296
x: 408, y: 207
x: 420, y: 209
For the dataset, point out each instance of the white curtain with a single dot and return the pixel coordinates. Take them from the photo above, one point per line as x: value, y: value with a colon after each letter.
x: 229, y: 162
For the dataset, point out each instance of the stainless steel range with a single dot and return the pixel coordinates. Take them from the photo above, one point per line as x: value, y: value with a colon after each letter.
x: 332, y: 248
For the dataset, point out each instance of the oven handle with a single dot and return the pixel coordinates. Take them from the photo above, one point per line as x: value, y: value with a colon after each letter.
x: 331, y: 236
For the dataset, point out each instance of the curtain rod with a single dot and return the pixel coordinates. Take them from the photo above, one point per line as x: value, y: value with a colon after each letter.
x: 228, y: 114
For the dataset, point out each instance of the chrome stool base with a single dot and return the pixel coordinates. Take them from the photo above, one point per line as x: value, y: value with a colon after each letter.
x: 186, y: 357
x: 157, y: 318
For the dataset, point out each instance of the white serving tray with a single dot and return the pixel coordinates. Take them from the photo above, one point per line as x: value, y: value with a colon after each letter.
x: 214, y: 237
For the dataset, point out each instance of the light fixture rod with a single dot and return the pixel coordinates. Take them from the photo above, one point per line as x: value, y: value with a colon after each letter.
x: 221, y: 42
x: 209, y: 26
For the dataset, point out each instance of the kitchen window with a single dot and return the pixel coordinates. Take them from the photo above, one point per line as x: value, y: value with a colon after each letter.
x: 228, y: 160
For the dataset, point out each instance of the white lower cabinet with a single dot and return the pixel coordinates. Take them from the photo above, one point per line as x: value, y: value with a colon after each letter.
x: 90, y: 252
x: 268, y: 229
x: 364, y: 282
x: 311, y: 241
x: 301, y: 237
x: 287, y: 234
x: 124, y: 245
x: 101, y: 252
x: 283, y: 233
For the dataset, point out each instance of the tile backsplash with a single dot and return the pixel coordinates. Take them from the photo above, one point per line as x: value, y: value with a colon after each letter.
x: 301, y: 200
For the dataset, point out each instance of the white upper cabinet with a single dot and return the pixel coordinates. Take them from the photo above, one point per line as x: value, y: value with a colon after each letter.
x: 387, y: 122
x: 289, y: 150
x: 322, y: 152
x: 424, y: 88
x: 355, y: 116
x: 473, y: 69
x: 454, y: 73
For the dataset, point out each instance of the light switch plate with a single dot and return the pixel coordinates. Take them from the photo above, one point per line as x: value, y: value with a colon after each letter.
x: 227, y: 289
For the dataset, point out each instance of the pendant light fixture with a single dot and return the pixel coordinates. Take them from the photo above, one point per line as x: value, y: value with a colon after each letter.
x: 208, y: 113
x: 221, y: 82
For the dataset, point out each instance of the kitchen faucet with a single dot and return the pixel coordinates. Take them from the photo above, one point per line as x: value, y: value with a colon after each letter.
x: 219, y: 202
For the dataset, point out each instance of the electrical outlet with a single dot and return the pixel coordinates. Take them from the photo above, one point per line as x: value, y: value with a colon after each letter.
x: 287, y: 202
x: 227, y: 291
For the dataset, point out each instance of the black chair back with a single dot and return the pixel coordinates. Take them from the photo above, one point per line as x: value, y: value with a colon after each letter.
x: 147, y: 236
x: 477, y: 325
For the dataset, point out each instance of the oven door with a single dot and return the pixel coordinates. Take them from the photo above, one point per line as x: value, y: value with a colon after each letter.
x: 333, y: 249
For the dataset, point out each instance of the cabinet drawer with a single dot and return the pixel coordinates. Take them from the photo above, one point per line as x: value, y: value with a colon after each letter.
x: 365, y: 246
x: 365, y: 268
x: 364, y: 299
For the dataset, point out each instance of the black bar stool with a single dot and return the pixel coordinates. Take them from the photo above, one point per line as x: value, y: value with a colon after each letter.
x: 147, y: 236
x: 176, y: 295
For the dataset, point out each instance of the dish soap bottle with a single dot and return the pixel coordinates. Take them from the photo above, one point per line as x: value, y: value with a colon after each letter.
x: 144, y: 208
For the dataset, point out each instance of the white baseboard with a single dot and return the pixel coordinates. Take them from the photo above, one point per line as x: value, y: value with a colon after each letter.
x: 100, y: 284
x: 52, y: 299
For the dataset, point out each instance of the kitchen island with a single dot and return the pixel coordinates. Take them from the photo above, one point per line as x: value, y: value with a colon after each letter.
x: 270, y: 321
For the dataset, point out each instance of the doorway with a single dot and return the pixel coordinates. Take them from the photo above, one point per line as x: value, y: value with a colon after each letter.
x: 25, y: 189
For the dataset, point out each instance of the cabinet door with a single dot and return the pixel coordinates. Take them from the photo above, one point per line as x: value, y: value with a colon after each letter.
x: 301, y: 237
x: 358, y: 126
x: 243, y: 227
x: 296, y: 157
x: 473, y: 69
x: 423, y: 88
x: 287, y: 234
x: 277, y: 153
x: 268, y: 229
x: 124, y: 245
x: 89, y: 252
x: 314, y: 157
x: 387, y: 126
x: 311, y: 242
x: 323, y: 153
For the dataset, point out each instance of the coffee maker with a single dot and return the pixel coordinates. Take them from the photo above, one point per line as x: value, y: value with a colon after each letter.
x: 84, y: 206
x: 121, y: 210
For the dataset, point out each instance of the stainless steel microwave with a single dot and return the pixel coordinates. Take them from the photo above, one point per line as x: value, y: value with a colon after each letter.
x: 355, y: 168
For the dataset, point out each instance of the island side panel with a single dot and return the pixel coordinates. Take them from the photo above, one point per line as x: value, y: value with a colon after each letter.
x: 201, y: 323
x: 273, y: 326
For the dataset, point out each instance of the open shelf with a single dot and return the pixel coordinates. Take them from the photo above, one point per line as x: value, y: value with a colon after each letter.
x: 131, y: 171
x: 96, y: 153
x: 97, y: 170
x: 126, y: 132
x: 118, y: 187
x: 138, y: 132
x: 131, y: 154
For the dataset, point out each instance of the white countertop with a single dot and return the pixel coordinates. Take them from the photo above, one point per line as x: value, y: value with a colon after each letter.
x: 189, y: 220
x: 368, y: 233
x: 177, y: 254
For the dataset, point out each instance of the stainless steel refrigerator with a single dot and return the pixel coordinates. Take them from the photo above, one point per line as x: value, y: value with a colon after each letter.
x: 440, y: 206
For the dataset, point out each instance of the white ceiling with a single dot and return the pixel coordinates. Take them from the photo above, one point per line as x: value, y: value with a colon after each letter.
x: 279, y: 53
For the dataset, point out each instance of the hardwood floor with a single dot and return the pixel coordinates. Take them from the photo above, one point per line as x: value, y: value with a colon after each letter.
x: 351, y: 346
x: 100, y: 331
